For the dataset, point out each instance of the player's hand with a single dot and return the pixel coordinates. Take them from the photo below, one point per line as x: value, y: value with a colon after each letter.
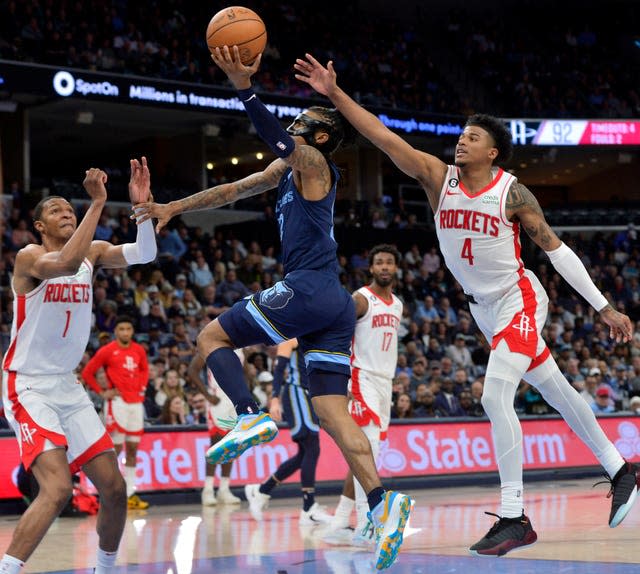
x: 275, y: 409
x: 94, y: 182
x: 147, y: 210
x: 109, y: 394
x: 228, y: 60
x: 212, y: 399
x: 620, y: 328
x: 140, y: 181
x: 312, y: 72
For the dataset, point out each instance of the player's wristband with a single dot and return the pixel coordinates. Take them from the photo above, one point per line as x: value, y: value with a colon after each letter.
x: 278, y: 375
x: 266, y: 124
x: 568, y: 264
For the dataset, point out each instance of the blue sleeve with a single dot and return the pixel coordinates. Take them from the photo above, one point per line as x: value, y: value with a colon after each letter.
x: 266, y: 124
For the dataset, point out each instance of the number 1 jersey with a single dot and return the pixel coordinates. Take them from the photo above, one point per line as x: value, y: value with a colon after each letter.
x: 51, y: 325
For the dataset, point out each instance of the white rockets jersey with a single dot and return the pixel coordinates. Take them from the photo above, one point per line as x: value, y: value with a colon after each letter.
x: 375, y: 341
x: 51, y: 325
x: 480, y: 246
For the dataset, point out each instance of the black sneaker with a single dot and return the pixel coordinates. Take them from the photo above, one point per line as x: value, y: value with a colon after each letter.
x: 505, y: 535
x: 624, y: 491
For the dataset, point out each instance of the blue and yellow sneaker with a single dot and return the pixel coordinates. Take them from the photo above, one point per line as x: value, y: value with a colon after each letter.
x: 389, y: 519
x: 249, y: 431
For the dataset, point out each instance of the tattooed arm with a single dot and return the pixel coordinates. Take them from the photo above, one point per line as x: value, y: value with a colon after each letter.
x: 311, y: 171
x: 521, y: 205
x: 215, y: 196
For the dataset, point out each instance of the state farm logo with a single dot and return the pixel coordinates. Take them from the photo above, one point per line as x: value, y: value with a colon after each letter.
x: 629, y: 442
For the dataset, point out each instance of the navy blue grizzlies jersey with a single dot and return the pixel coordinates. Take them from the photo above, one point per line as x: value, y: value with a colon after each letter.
x: 306, y: 227
x: 309, y: 303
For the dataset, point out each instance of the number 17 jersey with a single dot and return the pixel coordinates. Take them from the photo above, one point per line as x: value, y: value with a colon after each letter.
x: 481, y: 247
x: 375, y: 341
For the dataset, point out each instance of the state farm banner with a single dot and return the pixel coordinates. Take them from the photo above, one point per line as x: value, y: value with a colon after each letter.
x: 175, y: 460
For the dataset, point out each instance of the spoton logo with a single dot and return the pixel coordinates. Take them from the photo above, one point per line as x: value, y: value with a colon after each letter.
x: 65, y: 85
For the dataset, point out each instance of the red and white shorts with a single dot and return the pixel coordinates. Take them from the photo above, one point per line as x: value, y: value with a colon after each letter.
x: 53, y: 411
x: 124, y: 421
x: 517, y: 318
x: 371, y: 402
x: 220, y: 415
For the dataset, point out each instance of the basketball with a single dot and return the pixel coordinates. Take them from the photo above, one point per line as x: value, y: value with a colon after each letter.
x: 238, y: 26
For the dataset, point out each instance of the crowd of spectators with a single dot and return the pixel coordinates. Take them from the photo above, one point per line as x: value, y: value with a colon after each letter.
x: 442, y: 355
x: 582, y: 65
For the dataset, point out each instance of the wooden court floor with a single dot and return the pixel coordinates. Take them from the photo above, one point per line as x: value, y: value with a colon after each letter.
x: 569, y: 516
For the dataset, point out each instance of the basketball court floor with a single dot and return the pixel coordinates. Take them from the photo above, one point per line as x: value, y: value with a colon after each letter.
x: 569, y: 516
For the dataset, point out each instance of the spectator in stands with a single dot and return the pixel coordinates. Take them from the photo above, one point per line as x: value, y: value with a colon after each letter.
x: 603, y: 402
x: 21, y: 235
x: 424, y: 405
x: 446, y: 400
x: 431, y: 260
x: 171, y: 248
x: 192, y: 306
x: 418, y: 374
x: 459, y: 353
x: 634, y: 405
x: 169, y: 386
x: 197, y: 409
x: 402, y: 409
x: 200, y: 275
x: 231, y: 290
x: 470, y: 408
x: 591, y: 383
x: 434, y: 352
x: 402, y: 365
x: 173, y: 412
x: 426, y: 309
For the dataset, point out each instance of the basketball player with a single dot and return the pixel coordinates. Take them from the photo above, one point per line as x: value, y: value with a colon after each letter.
x: 303, y: 424
x: 125, y: 365
x: 57, y: 427
x: 309, y: 303
x: 479, y: 209
x: 374, y: 356
x: 221, y: 417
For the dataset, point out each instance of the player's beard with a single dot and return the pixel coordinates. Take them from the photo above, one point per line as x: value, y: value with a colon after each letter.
x: 384, y: 282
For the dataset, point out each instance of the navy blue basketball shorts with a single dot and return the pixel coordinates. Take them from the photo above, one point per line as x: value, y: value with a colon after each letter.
x: 298, y: 412
x: 311, y: 306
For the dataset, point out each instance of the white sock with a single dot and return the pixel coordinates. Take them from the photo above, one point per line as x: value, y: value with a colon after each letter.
x: 10, y: 565
x: 208, y: 482
x: 105, y: 562
x: 512, y: 505
x: 224, y: 483
x: 130, y: 479
x: 345, y: 507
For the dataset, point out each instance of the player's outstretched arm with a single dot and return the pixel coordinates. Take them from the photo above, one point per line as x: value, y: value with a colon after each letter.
x: 312, y: 165
x: 35, y: 261
x: 426, y: 168
x: 522, y: 204
x: 213, y: 197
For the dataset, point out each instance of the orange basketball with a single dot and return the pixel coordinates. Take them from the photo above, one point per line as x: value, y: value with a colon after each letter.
x: 238, y: 26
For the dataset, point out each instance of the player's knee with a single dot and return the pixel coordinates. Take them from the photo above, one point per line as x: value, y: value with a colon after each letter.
x: 114, y: 491
x: 212, y: 337
x: 312, y: 446
x: 57, y: 493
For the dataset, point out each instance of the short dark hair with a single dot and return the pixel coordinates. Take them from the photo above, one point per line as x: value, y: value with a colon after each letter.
x: 37, y: 211
x: 124, y: 319
x: 339, y: 129
x: 384, y: 248
x: 498, y: 131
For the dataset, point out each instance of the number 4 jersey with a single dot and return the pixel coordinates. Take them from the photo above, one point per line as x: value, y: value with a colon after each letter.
x: 51, y: 325
x: 480, y: 246
x: 375, y: 341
